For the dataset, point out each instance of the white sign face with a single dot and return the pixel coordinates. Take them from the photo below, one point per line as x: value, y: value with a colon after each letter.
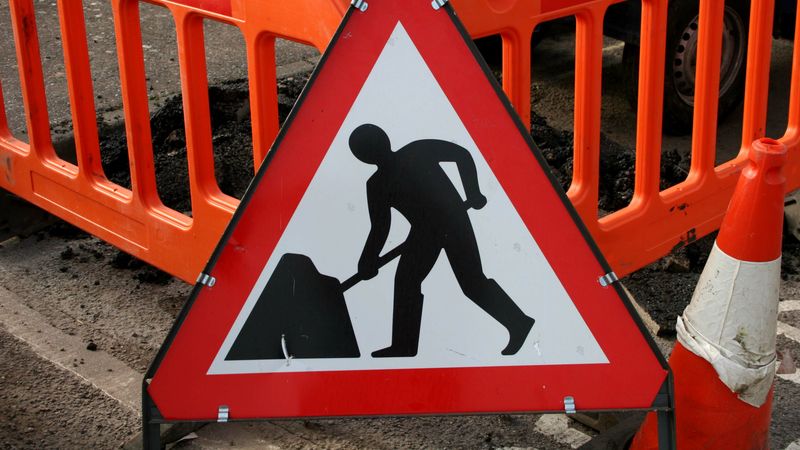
x: 332, y: 222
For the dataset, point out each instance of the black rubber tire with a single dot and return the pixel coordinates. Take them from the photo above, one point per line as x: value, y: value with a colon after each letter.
x: 677, y: 112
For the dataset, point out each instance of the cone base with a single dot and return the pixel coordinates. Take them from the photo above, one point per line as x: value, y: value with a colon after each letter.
x: 707, y: 414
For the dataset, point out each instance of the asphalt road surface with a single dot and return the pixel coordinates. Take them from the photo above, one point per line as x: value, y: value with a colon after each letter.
x: 80, y: 322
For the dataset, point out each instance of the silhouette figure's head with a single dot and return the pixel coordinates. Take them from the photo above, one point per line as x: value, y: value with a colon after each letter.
x: 370, y: 144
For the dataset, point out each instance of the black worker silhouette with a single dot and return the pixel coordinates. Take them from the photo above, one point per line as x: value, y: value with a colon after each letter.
x: 412, y: 181
x: 302, y: 313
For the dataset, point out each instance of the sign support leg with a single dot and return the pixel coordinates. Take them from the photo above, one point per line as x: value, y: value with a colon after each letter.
x: 151, y: 427
x: 666, y: 417
x: 666, y: 430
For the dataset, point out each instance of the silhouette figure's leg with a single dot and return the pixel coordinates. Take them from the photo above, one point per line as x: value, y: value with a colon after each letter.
x: 462, y: 252
x: 419, y: 255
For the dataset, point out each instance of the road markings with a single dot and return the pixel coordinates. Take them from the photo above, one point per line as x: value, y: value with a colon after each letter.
x: 557, y: 427
x: 789, y: 305
x: 123, y: 383
x: 792, y: 333
x: 795, y: 377
x: 106, y: 373
x: 789, y: 331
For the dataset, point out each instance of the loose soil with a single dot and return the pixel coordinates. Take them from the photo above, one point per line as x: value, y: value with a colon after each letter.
x: 664, y: 288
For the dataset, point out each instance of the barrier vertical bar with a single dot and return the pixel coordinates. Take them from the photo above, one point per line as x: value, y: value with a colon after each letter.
x: 31, y: 78
x: 650, y: 103
x: 756, y: 91
x: 792, y: 137
x: 4, y: 132
x: 197, y: 120
x: 588, y: 97
x: 793, y: 128
x: 81, y: 90
x: 127, y: 27
x: 706, y: 93
x: 262, y: 75
x: 516, y: 71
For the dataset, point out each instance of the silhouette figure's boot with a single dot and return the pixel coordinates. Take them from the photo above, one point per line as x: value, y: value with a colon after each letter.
x: 406, y: 323
x: 494, y: 300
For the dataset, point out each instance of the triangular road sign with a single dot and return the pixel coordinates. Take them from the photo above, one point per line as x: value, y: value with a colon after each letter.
x: 486, y: 297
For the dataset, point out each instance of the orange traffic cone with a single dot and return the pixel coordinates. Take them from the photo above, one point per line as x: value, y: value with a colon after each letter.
x: 724, y: 361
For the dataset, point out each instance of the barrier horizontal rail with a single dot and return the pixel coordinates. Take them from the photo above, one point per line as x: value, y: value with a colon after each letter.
x: 136, y: 221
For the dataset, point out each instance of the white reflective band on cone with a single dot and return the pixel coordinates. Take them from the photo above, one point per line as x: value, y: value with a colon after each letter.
x: 731, y: 322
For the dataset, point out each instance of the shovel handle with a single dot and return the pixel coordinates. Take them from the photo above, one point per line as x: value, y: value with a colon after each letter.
x: 382, y: 261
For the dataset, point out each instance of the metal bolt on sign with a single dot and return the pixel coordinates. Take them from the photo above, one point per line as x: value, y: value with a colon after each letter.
x: 360, y: 5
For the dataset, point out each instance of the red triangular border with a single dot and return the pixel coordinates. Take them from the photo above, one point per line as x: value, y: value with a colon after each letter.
x: 180, y: 386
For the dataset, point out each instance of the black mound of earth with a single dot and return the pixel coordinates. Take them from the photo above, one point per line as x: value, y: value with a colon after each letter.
x: 664, y: 288
x: 233, y: 161
x: 229, y: 109
x: 616, y: 164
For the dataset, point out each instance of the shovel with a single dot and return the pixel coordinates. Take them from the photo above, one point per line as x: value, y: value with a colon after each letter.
x: 301, y: 313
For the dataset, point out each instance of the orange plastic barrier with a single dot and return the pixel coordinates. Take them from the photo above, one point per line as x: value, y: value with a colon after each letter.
x: 656, y: 221
x: 136, y: 221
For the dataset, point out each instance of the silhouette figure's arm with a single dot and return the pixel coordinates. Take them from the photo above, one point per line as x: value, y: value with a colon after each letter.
x: 380, y: 216
x: 448, y: 152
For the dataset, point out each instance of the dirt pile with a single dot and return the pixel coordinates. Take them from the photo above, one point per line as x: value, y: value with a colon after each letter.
x: 82, y: 249
x: 617, y: 164
x: 664, y: 288
x: 229, y: 108
x: 232, y: 143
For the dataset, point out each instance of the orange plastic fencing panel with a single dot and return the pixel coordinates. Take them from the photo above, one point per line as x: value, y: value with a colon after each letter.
x: 656, y: 221
x: 136, y: 220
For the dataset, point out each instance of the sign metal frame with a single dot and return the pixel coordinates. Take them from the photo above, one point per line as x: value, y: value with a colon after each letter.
x: 663, y: 403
